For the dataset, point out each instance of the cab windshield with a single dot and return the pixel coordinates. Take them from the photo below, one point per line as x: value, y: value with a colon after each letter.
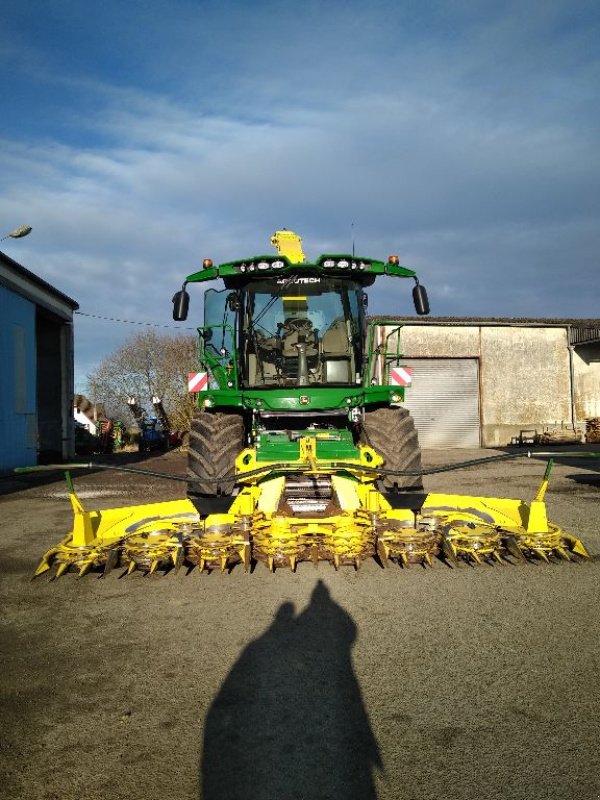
x: 302, y: 332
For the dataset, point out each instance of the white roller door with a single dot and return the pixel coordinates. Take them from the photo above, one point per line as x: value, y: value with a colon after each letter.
x: 444, y: 401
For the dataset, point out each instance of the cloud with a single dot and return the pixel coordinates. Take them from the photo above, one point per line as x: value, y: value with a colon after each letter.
x: 464, y: 140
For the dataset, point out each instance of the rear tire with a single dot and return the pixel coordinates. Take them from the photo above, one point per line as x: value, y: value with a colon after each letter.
x: 391, y: 432
x: 216, y: 440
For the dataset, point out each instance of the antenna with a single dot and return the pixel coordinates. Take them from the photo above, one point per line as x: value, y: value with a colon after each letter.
x: 352, y: 240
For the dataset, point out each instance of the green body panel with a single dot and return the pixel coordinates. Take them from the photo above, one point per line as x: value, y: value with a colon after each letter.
x: 265, y: 266
x: 292, y: 398
x: 280, y: 447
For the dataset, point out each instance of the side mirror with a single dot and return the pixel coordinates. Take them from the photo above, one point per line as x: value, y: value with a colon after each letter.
x: 420, y: 299
x: 365, y: 300
x: 181, y: 303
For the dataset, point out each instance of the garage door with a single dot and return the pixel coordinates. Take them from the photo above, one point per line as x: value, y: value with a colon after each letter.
x: 444, y: 401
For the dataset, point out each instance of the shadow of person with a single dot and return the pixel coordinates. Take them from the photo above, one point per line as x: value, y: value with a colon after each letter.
x: 289, y: 721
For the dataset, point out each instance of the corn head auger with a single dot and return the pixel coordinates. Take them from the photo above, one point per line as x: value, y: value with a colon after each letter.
x: 352, y: 521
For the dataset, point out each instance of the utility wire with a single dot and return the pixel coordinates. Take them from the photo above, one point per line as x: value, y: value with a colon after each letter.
x: 134, y: 322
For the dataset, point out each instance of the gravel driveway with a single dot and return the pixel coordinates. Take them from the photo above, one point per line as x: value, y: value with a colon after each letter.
x: 422, y: 683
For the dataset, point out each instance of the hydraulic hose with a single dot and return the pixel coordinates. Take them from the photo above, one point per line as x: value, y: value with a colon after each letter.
x: 289, y: 467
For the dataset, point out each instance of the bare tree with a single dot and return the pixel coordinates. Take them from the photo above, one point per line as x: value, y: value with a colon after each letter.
x: 149, y: 364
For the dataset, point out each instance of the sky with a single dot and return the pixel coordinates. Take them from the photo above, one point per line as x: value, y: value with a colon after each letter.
x: 139, y: 138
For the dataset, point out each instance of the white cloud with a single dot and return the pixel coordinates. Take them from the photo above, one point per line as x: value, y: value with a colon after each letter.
x: 468, y: 145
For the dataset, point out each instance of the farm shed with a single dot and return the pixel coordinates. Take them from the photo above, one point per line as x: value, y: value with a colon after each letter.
x: 36, y: 363
x: 481, y: 382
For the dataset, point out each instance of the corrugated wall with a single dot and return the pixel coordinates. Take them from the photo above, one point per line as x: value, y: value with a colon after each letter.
x: 18, y: 426
x: 444, y: 401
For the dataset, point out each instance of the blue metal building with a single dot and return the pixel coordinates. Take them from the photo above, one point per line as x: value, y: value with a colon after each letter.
x: 36, y: 368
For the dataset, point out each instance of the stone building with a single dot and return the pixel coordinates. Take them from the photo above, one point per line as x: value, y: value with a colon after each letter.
x: 481, y: 382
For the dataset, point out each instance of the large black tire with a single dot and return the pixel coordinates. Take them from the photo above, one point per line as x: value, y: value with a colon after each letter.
x: 391, y: 432
x: 216, y: 440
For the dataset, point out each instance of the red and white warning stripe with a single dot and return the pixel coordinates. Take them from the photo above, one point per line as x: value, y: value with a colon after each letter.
x: 400, y: 376
x: 197, y: 381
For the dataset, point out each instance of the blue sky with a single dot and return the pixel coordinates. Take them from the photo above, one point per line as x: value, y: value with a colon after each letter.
x: 139, y: 138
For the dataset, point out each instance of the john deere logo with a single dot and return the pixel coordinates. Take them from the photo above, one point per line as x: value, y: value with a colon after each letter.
x: 304, y: 399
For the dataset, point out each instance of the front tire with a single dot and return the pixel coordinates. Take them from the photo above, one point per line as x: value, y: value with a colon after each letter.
x: 392, y: 433
x: 216, y: 440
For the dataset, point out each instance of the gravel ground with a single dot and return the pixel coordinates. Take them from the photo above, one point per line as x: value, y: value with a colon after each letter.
x: 415, y: 684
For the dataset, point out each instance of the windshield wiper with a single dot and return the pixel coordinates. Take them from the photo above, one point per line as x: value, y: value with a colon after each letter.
x: 274, y: 297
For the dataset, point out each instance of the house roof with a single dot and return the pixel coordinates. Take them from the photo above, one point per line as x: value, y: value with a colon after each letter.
x: 580, y: 331
x: 94, y: 412
x: 533, y: 321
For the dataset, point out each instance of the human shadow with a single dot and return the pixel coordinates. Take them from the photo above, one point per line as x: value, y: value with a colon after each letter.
x: 289, y: 720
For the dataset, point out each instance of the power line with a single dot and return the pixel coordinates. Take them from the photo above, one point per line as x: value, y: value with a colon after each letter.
x: 135, y: 322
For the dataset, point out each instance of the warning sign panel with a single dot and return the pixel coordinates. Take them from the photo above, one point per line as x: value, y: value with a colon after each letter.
x: 400, y: 376
x: 197, y: 381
